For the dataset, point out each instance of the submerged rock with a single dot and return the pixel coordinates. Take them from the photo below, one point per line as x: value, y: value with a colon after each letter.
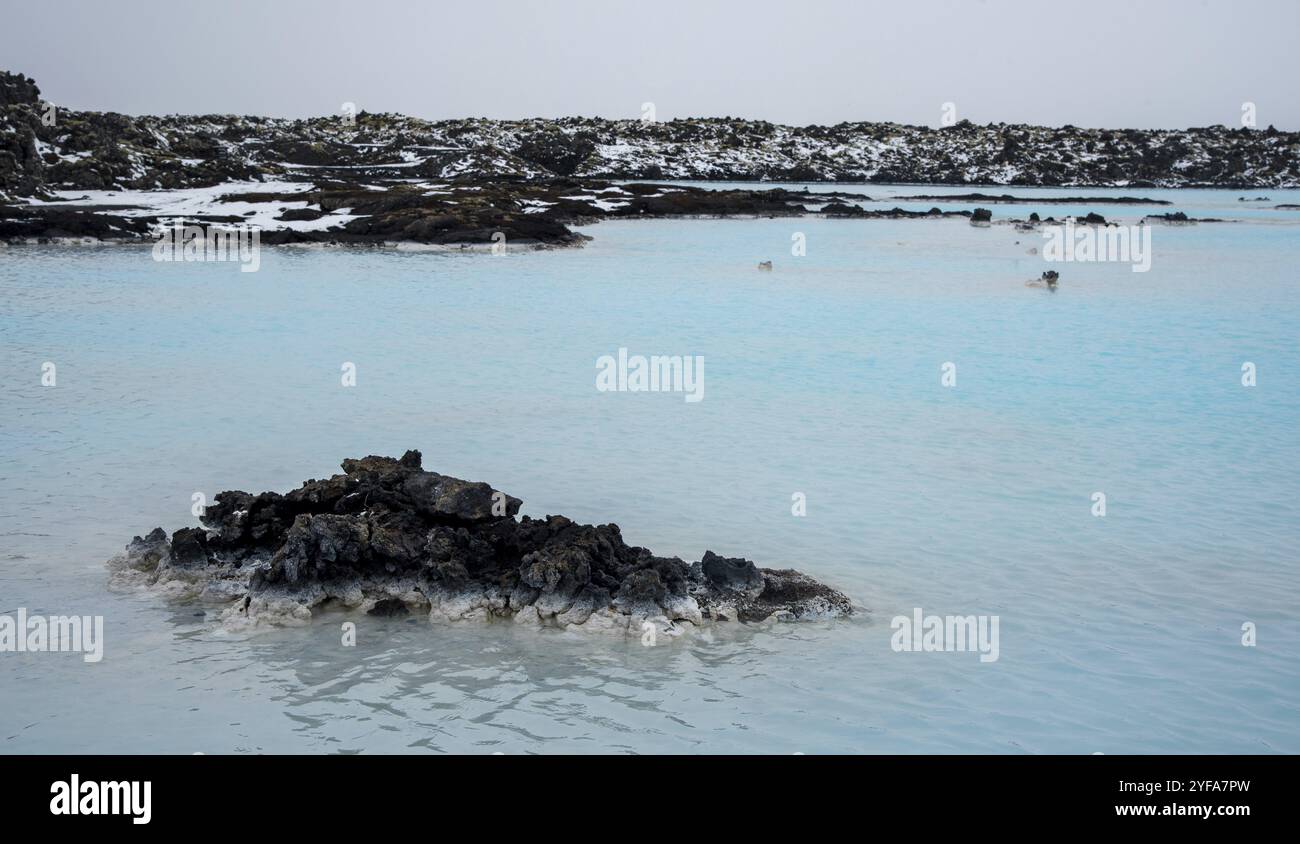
x: 1049, y: 279
x: 389, y: 537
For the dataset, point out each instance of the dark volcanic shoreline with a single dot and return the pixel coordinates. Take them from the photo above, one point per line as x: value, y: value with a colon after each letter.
x: 462, y: 215
x: 389, y: 537
x: 387, y: 178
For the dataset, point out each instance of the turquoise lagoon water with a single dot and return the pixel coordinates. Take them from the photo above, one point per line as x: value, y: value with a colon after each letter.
x: 1118, y: 634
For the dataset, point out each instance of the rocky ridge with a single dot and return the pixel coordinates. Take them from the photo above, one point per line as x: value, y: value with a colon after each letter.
x: 382, y: 178
x: 97, y: 150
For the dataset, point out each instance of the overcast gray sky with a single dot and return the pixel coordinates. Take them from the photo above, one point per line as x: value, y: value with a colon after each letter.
x: 1113, y: 63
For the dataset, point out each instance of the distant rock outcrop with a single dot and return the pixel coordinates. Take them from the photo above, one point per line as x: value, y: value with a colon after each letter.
x: 16, y: 89
x: 21, y: 168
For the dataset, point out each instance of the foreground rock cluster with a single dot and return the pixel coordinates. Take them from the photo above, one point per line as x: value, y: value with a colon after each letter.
x: 390, y: 538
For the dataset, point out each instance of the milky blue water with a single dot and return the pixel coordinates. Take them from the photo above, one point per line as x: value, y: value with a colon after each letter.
x: 1118, y: 634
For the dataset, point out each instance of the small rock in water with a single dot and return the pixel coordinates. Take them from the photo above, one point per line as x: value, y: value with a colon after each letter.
x: 1048, y: 279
